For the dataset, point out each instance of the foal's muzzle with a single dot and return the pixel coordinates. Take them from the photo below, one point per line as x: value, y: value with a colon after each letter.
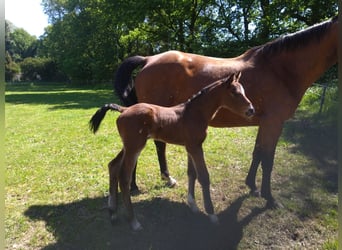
x: 250, y: 112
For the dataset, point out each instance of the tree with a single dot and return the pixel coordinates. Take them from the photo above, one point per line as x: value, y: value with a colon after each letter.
x: 88, y: 38
x: 21, y: 44
x: 12, y: 69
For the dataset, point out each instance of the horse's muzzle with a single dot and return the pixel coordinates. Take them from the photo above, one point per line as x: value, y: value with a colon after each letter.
x: 250, y: 112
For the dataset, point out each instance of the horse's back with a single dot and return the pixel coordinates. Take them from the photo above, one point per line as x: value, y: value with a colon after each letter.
x: 172, y: 77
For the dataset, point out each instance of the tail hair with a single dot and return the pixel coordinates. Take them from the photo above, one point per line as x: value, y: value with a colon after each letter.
x: 97, y: 118
x: 123, y: 82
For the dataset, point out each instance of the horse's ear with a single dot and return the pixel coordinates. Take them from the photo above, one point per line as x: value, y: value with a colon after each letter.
x: 228, y: 80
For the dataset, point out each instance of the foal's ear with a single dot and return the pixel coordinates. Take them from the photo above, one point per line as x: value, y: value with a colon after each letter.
x: 237, y: 76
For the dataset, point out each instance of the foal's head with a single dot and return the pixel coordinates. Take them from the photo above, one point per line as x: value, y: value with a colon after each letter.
x: 235, y: 98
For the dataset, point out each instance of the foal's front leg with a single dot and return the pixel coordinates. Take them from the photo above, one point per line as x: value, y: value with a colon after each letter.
x: 203, y: 178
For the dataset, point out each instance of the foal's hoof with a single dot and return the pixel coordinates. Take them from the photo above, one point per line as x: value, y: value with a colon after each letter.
x: 192, y: 204
x: 213, y: 219
x: 170, y: 182
x: 113, y: 217
x: 136, y: 226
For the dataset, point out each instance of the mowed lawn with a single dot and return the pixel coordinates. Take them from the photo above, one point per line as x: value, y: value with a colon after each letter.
x: 57, y: 180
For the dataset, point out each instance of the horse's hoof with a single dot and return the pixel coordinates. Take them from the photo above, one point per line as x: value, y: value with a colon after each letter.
x: 214, y: 219
x: 170, y: 182
x: 135, y: 192
x: 272, y: 204
x: 255, y: 193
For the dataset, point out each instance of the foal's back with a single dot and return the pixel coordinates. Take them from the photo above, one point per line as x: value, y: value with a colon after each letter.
x: 145, y: 121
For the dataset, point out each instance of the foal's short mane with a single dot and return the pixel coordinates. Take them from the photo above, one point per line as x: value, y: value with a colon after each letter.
x: 205, y: 90
x: 295, y: 40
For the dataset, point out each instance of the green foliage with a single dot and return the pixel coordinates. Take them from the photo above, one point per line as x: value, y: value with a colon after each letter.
x: 12, y: 69
x: 42, y: 69
x: 20, y: 44
x: 22, y: 61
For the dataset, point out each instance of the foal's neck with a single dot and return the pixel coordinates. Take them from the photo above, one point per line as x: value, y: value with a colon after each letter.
x: 205, y: 103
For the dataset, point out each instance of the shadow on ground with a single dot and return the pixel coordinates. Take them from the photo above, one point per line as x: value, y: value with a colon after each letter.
x: 59, y: 96
x: 316, y: 137
x: 167, y: 225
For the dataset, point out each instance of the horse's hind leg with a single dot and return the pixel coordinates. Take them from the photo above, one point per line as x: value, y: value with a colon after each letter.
x: 114, y: 167
x: 161, y: 146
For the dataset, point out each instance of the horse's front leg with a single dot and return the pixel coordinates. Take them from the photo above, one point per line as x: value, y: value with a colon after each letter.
x: 264, y: 151
x: 164, y: 171
x: 203, y: 178
x: 192, y: 175
x: 114, y: 168
x: 250, y: 180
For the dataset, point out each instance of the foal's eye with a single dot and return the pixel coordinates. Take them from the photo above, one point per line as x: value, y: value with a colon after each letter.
x: 235, y: 92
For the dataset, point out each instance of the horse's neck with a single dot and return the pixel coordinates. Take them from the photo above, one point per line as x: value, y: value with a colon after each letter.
x: 306, y: 64
x: 205, y: 105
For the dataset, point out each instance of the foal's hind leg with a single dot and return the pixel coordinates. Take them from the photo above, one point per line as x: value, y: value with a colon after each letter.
x: 129, y: 161
x: 114, y: 170
x: 203, y: 178
x: 192, y: 175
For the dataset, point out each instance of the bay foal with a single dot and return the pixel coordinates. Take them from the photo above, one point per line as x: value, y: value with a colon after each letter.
x: 185, y: 124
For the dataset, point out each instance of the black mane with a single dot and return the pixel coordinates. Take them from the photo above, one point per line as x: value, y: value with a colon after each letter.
x: 297, y: 39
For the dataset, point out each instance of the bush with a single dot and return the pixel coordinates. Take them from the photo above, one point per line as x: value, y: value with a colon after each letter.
x: 43, y: 69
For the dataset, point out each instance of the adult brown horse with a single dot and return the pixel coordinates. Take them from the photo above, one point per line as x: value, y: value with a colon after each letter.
x: 275, y: 77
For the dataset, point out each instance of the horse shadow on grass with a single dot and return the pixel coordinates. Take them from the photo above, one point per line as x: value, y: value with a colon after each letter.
x: 317, y: 139
x: 85, y: 224
x: 59, y: 96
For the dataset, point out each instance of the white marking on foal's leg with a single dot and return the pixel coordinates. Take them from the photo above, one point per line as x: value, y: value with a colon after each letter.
x: 214, y: 219
x: 192, y: 204
x: 113, y: 214
x: 110, y: 202
x: 136, y: 226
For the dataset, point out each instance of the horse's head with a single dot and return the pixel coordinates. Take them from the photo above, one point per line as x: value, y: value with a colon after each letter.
x: 236, y: 100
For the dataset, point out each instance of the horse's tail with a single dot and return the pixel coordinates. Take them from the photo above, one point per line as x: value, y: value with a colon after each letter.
x: 97, y: 118
x: 123, y: 83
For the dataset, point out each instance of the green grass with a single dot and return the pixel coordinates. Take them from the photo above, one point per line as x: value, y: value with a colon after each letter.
x: 57, y: 180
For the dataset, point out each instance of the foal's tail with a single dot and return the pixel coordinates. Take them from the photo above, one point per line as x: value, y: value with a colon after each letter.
x: 97, y: 118
x: 123, y: 83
